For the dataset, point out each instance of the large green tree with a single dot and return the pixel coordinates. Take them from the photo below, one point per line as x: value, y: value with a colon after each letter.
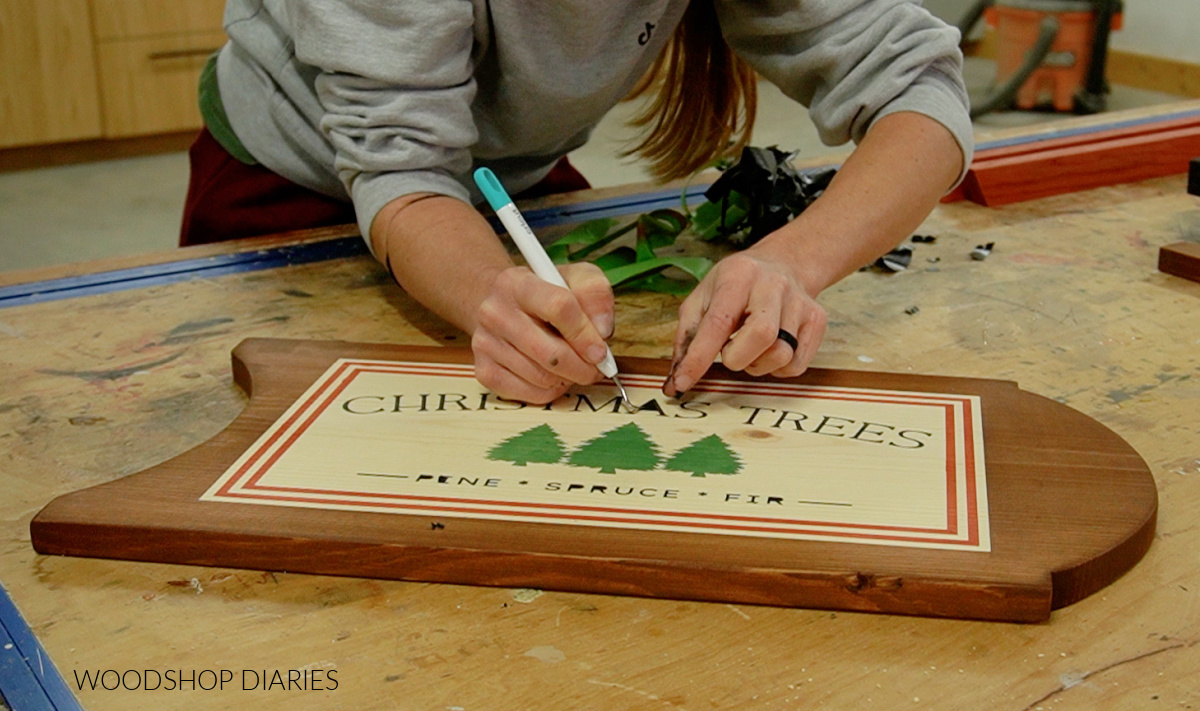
x: 709, y: 455
x: 625, y: 447
x: 539, y: 444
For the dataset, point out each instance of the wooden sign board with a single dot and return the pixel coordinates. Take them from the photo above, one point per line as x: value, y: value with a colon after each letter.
x: 1181, y: 259
x: 845, y: 490
x: 1081, y: 158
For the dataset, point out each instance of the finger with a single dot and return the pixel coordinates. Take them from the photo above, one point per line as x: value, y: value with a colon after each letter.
x: 717, y: 323
x: 779, y: 354
x: 490, y: 349
x: 809, y: 338
x: 507, y: 385
x: 594, y: 293
x: 690, y: 311
x: 513, y: 332
x: 519, y: 314
x: 759, y: 333
x: 561, y: 310
x: 685, y: 330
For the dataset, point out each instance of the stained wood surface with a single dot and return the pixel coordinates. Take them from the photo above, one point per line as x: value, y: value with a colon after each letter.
x: 1181, y: 259
x: 1082, y: 139
x: 1039, y: 453
x: 1070, y: 305
x: 126, y: 19
x: 49, y: 91
x: 147, y: 84
x: 1080, y: 161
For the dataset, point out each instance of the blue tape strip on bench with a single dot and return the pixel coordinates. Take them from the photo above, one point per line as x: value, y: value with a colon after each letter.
x: 241, y: 262
x: 1084, y: 130
x: 171, y: 272
x: 159, y: 274
x: 29, y: 681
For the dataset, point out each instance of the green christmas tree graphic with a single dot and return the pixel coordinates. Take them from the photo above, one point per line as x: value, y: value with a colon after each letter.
x: 537, y: 444
x: 709, y: 455
x: 626, y: 447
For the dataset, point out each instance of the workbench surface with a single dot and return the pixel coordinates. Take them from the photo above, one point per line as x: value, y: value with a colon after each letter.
x: 111, y: 379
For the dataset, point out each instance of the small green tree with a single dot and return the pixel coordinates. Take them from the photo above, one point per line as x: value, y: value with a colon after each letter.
x: 539, y: 444
x: 709, y: 455
x: 625, y: 447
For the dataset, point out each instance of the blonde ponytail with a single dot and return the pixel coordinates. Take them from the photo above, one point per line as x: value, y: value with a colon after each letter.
x: 703, y: 103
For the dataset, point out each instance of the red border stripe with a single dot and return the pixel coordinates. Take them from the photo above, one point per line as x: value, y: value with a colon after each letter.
x: 352, y: 368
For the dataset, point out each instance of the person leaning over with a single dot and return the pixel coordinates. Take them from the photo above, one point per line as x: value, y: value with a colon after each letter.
x: 321, y: 112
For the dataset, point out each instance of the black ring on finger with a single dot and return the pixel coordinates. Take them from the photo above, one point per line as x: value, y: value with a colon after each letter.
x: 788, y: 339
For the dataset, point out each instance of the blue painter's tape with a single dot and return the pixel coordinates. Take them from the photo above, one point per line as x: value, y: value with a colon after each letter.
x: 28, y: 680
x: 156, y: 275
x: 1083, y: 131
x: 171, y: 272
x: 610, y: 207
x: 614, y: 207
x: 183, y: 270
x: 622, y: 206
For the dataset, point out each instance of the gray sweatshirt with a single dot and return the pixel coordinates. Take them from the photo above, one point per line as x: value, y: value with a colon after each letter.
x: 373, y: 99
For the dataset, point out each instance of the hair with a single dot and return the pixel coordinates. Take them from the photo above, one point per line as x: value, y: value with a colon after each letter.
x: 704, y: 99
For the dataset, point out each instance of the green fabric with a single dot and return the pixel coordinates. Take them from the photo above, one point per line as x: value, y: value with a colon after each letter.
x: 213, y: 112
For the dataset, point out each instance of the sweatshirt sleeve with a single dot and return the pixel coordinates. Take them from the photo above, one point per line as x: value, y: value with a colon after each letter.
x: 852, y: 62
x: 396, y: 87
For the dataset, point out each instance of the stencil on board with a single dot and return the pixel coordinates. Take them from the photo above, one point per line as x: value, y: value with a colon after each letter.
x: 736, y: 458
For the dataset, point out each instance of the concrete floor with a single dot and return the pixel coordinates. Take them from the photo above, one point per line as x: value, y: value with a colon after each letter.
x: 75, y: 213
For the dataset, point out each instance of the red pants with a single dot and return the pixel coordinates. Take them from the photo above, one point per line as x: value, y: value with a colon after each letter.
x: 228, y: 199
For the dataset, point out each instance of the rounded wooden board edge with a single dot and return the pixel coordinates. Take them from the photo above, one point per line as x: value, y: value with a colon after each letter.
x: 250, y: 366
x: 1068, y: 584
x: 252, y: 357
x: 606, y: 575
x: 1074, y: 583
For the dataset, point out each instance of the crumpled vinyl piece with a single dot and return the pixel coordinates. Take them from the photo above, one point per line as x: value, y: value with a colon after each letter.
x: 774, y: 190
x: 896, y: 260
x: 982, y: 251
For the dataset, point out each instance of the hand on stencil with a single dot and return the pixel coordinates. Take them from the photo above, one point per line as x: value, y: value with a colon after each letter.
x: 533, y: 339
x: 738, y: 311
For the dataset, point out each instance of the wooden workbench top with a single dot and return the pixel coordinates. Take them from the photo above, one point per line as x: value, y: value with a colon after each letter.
x: 1069, y: 305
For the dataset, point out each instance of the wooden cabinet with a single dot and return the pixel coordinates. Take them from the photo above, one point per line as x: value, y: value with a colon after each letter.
x: 124, y: 19
x: 150, y: 53
x: 48, y: 88
x: 148, y: 85
x: 87, y: 69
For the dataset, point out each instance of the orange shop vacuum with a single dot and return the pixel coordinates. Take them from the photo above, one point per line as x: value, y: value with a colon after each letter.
x: 1049, y: 53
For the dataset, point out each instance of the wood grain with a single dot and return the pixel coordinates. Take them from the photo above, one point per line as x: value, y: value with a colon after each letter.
x: 1181, y: 259
x: 1080, y: 154
x: 49, y: 91
x: 149, y: 85
x: 1152, y: 73
x: 1066, y: 170
x: 91, y: 150
x: 1067, y: 164
x: 1069, y: 304
x: 79, y: 70
x: 127, y: 19
x: 1039, y: 454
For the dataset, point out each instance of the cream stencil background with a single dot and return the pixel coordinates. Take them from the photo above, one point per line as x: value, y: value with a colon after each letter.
x: 868, y: 466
